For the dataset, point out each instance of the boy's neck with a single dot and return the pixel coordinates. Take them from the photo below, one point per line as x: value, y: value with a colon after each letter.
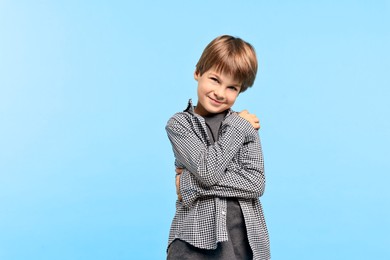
x: 204, y: 113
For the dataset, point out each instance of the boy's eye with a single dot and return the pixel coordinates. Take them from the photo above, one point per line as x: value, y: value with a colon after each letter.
x: 214, y: 79
x: 233, y: 88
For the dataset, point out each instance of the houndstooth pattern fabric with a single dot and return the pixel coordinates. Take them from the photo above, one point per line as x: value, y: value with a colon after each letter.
x: 231, y: 167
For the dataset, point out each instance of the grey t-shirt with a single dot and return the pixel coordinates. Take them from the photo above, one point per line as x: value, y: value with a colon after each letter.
x: 213, y: 123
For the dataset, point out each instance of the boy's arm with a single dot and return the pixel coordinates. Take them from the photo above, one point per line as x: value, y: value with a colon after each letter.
x: 208, y: 164
x: 243, y: 179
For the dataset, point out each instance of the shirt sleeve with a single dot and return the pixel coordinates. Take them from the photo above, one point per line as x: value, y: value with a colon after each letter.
x: 207, y: 164
x: 244, y: 177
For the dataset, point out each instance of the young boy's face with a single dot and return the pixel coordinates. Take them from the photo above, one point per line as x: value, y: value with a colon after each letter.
x: 217, y: 91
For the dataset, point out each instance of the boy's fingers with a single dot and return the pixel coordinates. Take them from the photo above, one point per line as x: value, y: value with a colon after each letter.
x: 251, y: 118
x: 243, y: 113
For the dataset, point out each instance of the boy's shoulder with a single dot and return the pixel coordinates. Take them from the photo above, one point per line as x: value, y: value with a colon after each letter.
x: 180, y: 118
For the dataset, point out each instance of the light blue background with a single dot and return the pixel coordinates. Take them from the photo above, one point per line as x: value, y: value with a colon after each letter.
x: 86, y: 87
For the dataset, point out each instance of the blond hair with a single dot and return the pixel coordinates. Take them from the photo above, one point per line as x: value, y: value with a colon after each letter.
x: 230, y: 55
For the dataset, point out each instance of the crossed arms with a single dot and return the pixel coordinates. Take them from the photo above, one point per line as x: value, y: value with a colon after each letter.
x: 232, y: 167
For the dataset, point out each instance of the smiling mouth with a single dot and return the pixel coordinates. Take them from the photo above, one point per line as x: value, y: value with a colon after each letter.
x: 216, y: 101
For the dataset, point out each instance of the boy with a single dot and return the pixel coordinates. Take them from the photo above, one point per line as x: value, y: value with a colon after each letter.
x: 220, y: 173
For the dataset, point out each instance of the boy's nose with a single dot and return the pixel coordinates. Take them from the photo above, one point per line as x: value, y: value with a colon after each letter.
x: 219, y: 93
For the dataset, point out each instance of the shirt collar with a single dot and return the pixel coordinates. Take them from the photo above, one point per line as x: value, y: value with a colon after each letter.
x: 190, y: 108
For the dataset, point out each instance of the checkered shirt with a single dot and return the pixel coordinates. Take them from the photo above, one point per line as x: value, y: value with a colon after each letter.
x: 232, y: 167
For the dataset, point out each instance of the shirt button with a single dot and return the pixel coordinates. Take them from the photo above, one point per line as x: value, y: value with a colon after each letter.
x: 223, y: 212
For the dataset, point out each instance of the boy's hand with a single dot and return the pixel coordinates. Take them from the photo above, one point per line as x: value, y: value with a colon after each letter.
x: 178, y: 172
x: 251, y: 118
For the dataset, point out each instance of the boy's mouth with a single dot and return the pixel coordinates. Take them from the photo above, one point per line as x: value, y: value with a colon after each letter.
x: 216, y: 101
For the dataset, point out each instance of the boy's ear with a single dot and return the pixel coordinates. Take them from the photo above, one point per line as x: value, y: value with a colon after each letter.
x: 196, y: 75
